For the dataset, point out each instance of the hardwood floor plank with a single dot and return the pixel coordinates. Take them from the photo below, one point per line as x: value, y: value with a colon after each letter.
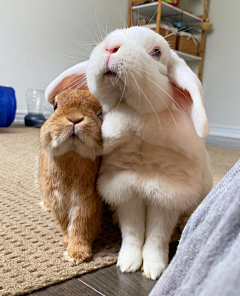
x: 108, y: 281
x: 111, y: 282
x: 71, y: 287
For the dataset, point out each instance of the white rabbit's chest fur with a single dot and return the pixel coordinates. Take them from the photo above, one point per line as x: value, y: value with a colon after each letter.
x: 150, y: 156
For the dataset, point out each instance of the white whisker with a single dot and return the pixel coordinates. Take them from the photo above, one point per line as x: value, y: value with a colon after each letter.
x: 98, y: 24
x: 162, y: 90
x: 163, y: 103
x: 80, y: 84
x: 182, y: 94
x: 107, y: 25
x: 81, y: 53
x: 123, y: 90
x: 81, y: 45
x: 76, y: 82
x: 152, y: 16
x: 91, y: 34
x: 147, y: 100
x: 65, y: 55
x: 99, y: 40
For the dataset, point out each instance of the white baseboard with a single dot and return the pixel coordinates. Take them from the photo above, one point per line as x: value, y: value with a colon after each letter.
x: 224, y: 135
x: 20, y: 114
x: 19, y: 118
x: 221, y: 135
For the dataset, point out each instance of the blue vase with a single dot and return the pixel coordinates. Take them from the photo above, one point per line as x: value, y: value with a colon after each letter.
x: 8, y: 106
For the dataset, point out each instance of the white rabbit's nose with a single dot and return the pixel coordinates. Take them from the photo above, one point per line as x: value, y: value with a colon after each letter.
x: 112, y: 49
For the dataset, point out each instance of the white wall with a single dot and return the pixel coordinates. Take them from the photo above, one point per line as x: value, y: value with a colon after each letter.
x: 221, y: 70
x: 221, y: 74
x: 32, y: 32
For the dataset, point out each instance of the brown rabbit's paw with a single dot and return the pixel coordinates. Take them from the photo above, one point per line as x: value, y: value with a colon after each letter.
x: 44, y: 206
x: 65, y: 239
x: 79, y: 252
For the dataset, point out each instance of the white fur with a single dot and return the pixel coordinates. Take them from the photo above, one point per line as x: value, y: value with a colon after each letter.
x: 67, y: 257
x: 159, y: 225
x: 155, y: 158
x: 72, y: 216
x: 42, y: 206
x: 87, y: 148
x: 133, y: 229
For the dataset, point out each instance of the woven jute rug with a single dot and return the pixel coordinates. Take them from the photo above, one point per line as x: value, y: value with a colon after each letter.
x: 31, y: 250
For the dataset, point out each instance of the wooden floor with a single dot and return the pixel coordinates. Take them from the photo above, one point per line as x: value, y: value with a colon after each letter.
x: 108, y: 281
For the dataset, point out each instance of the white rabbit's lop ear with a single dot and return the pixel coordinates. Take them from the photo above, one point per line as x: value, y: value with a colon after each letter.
x: 188, y: 93
x: 73, y: 77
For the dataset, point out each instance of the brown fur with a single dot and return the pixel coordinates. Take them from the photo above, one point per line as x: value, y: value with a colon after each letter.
x: 67, y: 181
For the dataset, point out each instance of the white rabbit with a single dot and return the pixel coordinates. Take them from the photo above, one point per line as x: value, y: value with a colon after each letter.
x: 155, y: 166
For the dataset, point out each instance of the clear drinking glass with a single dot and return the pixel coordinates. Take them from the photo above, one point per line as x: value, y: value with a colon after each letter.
x: 35, y: 103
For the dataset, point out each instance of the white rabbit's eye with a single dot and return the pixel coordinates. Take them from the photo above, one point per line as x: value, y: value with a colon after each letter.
x: 156, y: 53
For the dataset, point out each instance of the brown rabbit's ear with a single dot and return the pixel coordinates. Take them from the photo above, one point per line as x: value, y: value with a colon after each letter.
x: 73, y: 77
x: 188, y: 93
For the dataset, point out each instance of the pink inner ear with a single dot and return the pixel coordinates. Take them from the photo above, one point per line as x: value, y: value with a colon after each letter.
x: 182, y: 98
x: 70, y: 81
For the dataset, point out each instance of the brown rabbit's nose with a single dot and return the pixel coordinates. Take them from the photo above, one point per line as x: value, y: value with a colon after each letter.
x: 76, y: 121
x: 112, y: 49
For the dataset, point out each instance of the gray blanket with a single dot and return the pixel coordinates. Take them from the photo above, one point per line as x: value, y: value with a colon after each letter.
x: 207, y: 261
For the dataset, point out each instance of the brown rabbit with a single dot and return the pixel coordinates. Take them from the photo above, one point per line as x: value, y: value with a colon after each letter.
x: 70, y: 145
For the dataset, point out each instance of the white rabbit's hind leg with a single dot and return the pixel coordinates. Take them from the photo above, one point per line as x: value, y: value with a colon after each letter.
x: 131, y: 217
x: 160, y: 225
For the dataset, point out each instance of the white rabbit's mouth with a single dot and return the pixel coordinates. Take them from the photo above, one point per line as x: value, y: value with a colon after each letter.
x: 111, y: 74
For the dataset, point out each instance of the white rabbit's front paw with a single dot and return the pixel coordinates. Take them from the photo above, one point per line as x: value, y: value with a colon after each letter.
x: 154, y: 263
x: 129, y: 258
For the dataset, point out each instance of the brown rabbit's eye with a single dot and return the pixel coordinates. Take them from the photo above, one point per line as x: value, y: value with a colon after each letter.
x: 100, y: 115
x: 156, y: 53
x: 55, y: 107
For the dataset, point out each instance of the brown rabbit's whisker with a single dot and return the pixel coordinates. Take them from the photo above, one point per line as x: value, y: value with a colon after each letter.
x: 160, y: 125
x: 48, y: 109
x: 162, y: 90
x: 34, y: 145
x: 164, y: 104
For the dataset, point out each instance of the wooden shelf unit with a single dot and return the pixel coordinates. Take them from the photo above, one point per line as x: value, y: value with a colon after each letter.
x: 162, y: 9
